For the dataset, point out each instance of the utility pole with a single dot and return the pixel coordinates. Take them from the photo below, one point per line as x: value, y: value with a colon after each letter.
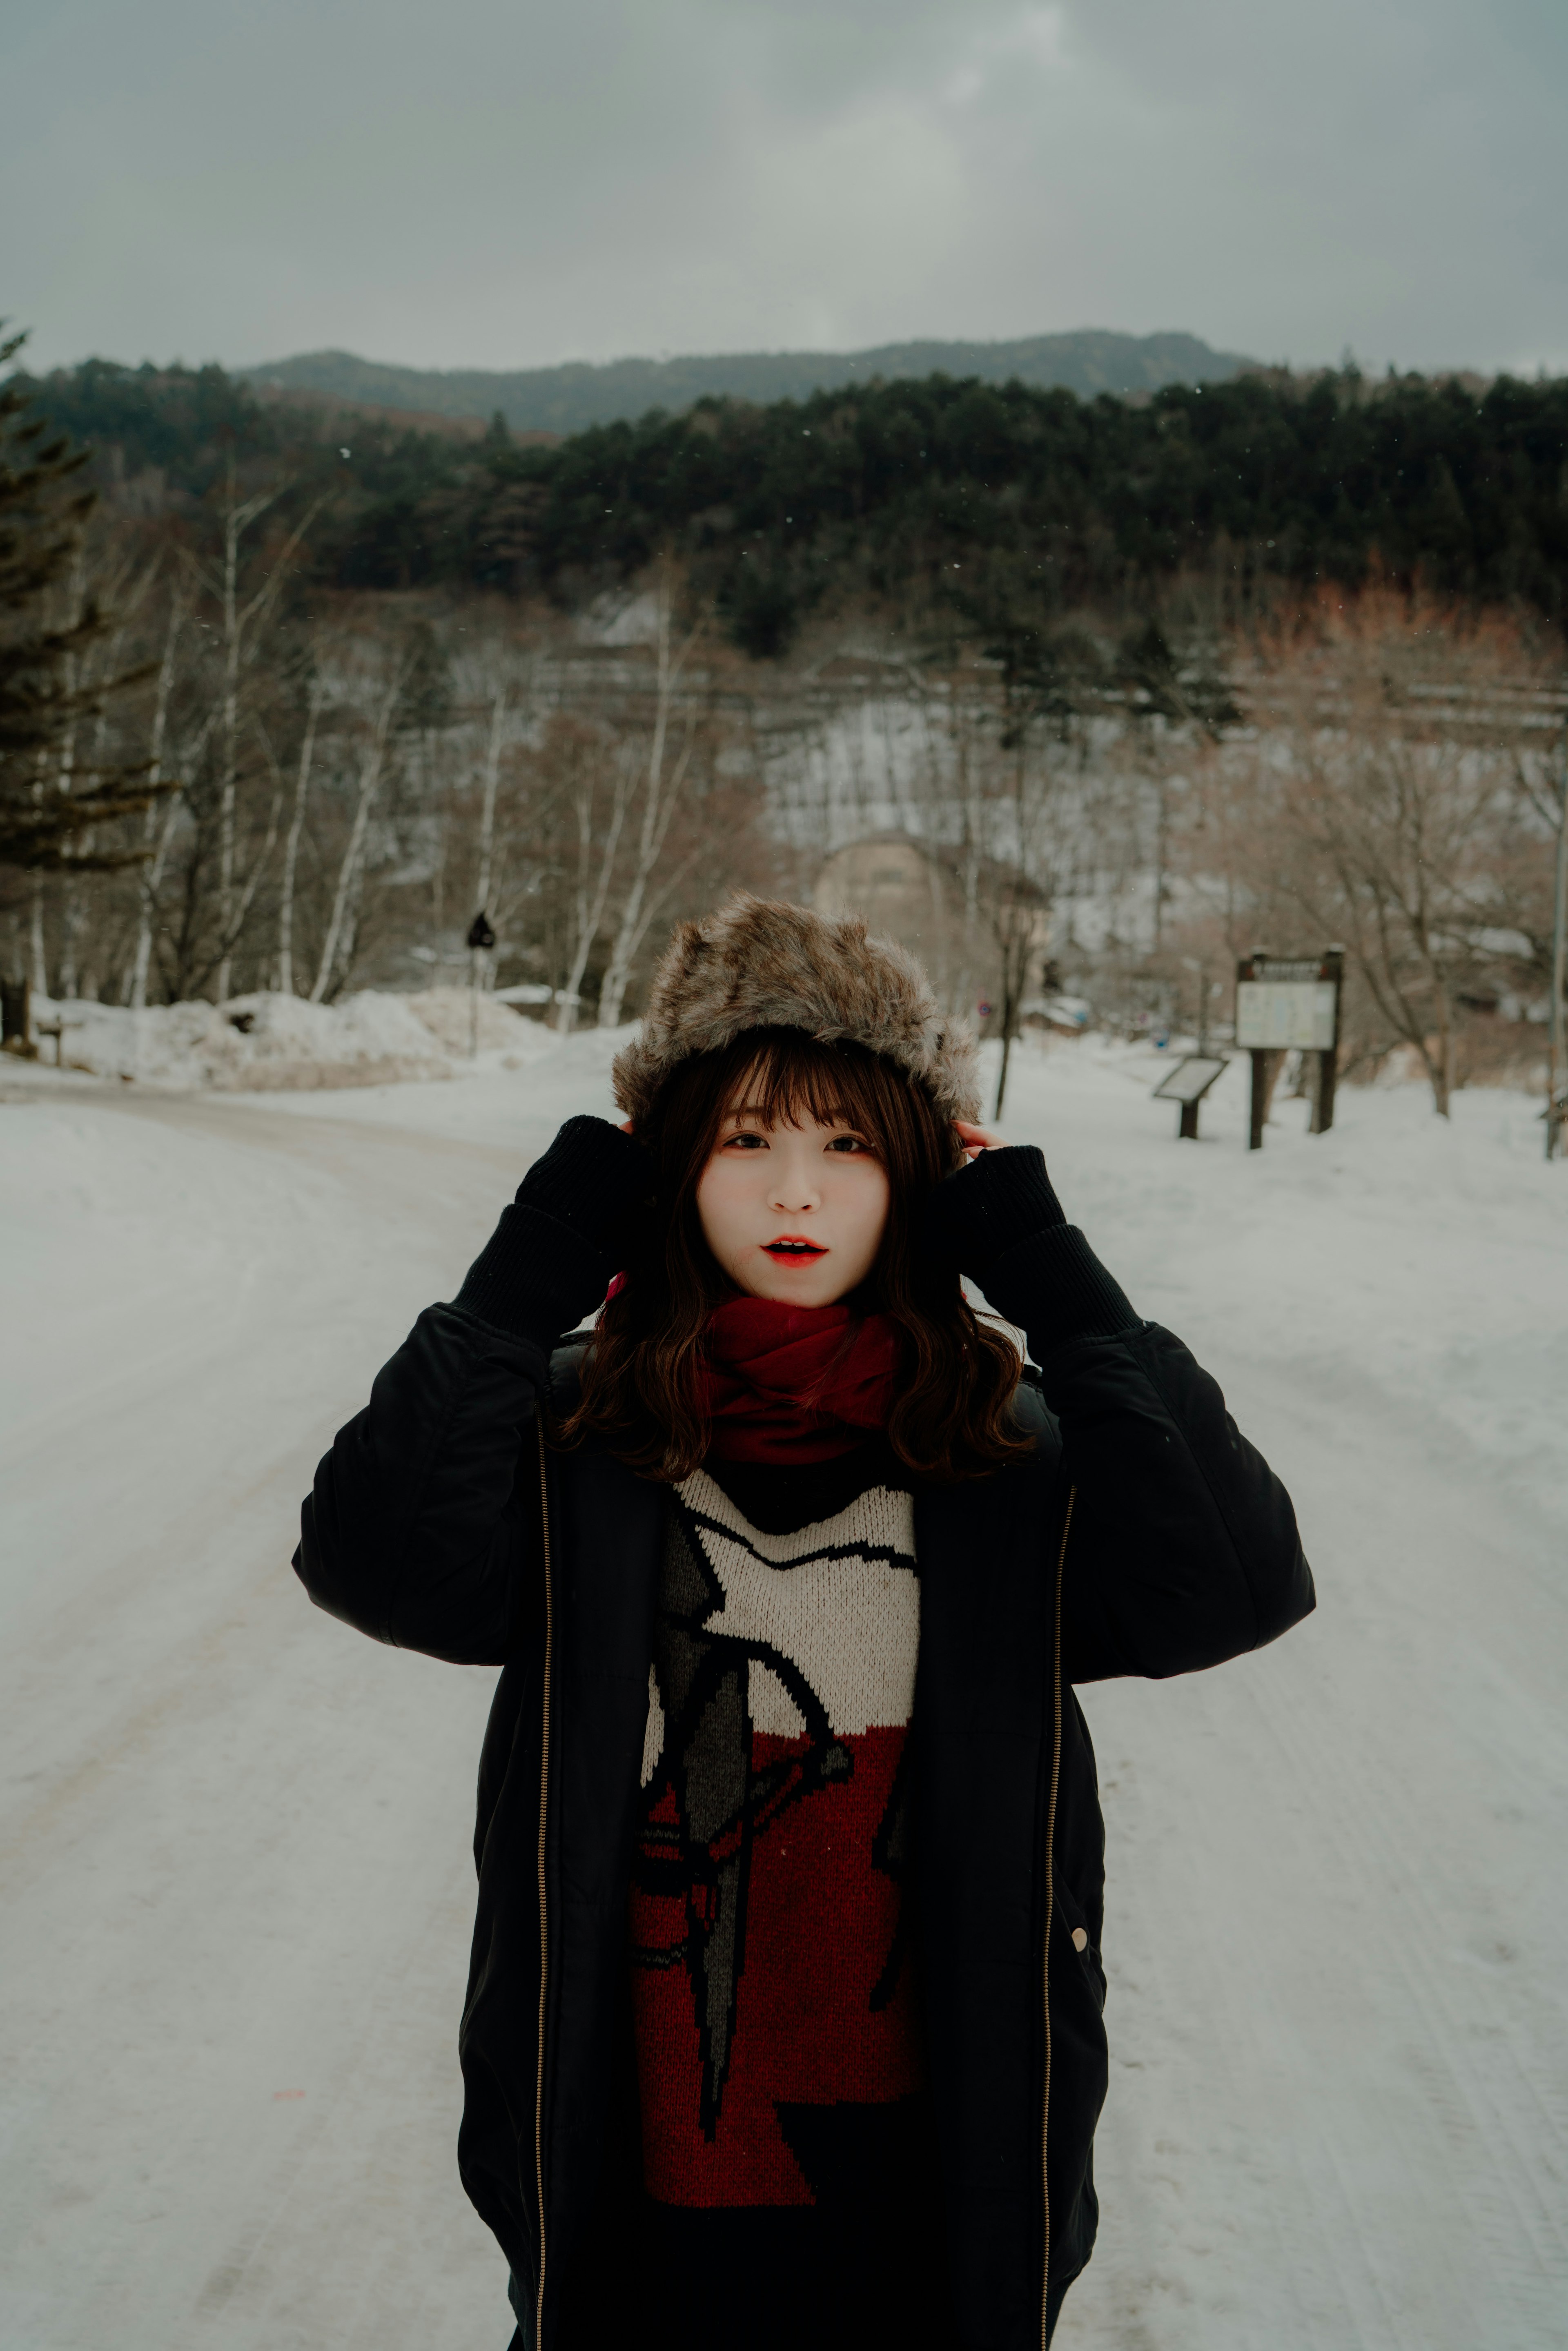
x: 1554, y: 1064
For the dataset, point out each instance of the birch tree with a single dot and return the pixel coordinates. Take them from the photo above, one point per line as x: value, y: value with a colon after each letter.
x: 315, y: 702
x: 241, y: 622
x: 370, y: 768
x: 236, y: 619
x: 147, y: 890
x: 76, y: 600
x: 661, y: 794
x: 1018, y: 885
x: 591, y: 889
x: 185, y: 765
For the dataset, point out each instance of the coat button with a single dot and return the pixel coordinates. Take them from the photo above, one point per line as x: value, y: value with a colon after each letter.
x: 1080, y: 1940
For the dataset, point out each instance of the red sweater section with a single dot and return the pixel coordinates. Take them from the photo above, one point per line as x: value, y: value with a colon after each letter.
x: 766, y: 1905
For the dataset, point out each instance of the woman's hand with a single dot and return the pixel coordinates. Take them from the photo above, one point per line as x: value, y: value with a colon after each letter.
x: 1000, y: 1196
x: 596, y: 1178
x: 976, y: 1139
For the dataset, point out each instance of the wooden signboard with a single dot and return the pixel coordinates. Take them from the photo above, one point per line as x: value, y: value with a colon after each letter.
x: 1286, y: 1003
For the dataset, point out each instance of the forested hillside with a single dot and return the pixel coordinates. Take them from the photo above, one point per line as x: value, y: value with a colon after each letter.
x: 570, y: 398
x: 1009, y: 499
x: 1088, y: 671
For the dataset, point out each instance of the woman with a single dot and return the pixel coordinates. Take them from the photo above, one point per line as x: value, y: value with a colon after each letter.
x: 784, y: 2017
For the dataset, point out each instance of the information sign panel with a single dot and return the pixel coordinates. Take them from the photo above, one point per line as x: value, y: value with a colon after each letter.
x: 1191, y: 1078
x: 1274, y: 1014
x: 1187, y: 1084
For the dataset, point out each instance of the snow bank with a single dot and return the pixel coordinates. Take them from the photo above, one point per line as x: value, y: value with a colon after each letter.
x: 269, y: 1044
x: 446, y: 1014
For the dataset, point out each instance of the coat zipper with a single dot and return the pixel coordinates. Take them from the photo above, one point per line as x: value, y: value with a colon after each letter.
x: 1049, y: 1907
x: 544, y: 1929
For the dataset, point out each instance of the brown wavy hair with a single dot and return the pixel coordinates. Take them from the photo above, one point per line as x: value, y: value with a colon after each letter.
x: 641, y: 1393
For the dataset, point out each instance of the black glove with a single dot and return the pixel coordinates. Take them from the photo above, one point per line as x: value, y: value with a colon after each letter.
x: 998, y: 1221
x: 573, y: 1223
x: 594, y: 1178
x: 980, y: 1212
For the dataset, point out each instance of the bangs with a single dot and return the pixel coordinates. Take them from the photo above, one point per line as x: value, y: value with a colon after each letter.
x: 645, y: 1395
x: 786, y: 1076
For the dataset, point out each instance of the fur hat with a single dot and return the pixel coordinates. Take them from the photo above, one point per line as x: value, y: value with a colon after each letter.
x: 758, y: 963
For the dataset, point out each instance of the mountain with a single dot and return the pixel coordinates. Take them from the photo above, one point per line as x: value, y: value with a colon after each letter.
x: 566, y: 399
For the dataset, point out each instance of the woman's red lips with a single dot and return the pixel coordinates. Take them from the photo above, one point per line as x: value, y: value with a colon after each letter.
x: 793, y: 1245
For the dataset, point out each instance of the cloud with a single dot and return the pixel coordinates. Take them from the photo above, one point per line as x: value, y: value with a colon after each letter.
x: 500, y: 184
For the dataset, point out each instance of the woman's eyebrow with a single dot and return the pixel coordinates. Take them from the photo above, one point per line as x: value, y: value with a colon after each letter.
x: 763, y: 1116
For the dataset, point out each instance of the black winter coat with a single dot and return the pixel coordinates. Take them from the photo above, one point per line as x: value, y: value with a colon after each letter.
x: 1146, y: 1536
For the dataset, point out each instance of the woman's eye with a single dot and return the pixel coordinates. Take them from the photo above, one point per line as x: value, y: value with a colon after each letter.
x: 746, y: 1142
x: 847, y: 1144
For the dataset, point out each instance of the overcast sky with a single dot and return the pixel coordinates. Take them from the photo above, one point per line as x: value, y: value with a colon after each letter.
x: 505, y: 183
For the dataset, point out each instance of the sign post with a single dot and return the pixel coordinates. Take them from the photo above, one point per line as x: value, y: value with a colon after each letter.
x: 17, y: 1019
x: 481, y: 939
x: 1328, y: 1055
x: 1285, y: 1002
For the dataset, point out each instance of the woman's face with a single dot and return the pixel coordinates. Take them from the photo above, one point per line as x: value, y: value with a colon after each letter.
x: 793, y: 1212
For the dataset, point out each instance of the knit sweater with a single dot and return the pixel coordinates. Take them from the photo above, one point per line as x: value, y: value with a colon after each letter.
x: 780, y: 2057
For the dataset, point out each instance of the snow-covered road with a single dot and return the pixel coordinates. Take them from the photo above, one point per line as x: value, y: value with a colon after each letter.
x: 235, y: 1879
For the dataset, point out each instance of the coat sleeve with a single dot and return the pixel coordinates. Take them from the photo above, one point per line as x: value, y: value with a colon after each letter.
x: 421, y: 1526
x: 1183, y: 1549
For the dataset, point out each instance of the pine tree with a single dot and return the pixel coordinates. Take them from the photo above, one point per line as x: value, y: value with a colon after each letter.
x: 44, y: 508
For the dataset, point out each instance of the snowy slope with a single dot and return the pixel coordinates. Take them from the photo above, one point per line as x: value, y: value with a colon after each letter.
x: 234, y: 1879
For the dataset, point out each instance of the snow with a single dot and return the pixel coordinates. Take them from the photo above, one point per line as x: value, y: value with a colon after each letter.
x: 235, y: 1882
x: 271, y: 1043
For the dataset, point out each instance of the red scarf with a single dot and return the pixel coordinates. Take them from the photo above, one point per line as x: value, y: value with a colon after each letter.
x: 797, y: 1382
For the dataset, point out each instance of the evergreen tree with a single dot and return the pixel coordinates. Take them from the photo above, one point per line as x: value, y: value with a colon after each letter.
x: 44, y: 508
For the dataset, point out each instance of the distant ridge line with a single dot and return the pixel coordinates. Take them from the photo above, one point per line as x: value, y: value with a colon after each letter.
x: 581, y: 392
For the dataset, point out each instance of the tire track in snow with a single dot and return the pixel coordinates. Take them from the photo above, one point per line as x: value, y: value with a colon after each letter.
x: 1423, y: 2209
x: 235, y: 1837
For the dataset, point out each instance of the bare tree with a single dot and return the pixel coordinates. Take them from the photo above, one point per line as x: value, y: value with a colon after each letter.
x: 314, y: 700
x: 158, y: 827
x: 591, y: 888
x: 241, y: 619
x: 186, y: 766
x: 1017, y: 887
x: 65, y: 750
x: 661, y: 794
x: 1385, y: 772
x: 238, y: 517
x: 370, y: 765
